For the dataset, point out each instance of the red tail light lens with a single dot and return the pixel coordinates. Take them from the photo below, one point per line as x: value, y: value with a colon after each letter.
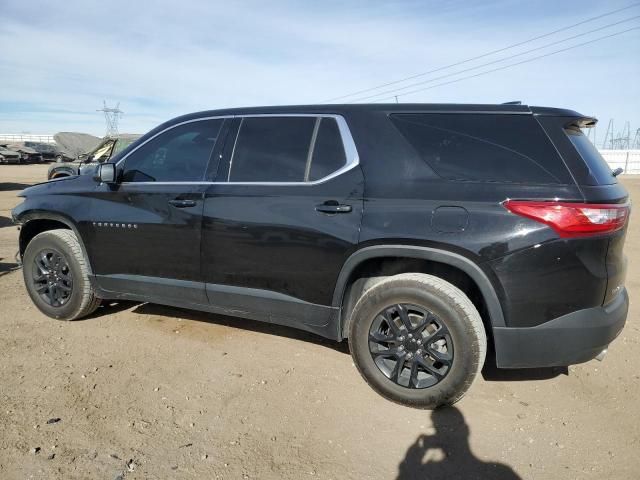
x: 573, y: 219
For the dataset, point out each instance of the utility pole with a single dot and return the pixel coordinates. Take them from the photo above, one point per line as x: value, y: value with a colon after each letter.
x: 111, y: 116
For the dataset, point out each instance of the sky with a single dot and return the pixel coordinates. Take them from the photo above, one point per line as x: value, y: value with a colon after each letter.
x: 160, y: 59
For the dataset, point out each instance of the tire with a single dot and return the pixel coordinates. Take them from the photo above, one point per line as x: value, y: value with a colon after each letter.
x: 446, y: 356
x: 77, y: 297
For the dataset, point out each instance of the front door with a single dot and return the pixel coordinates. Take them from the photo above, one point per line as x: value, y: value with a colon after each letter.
x: 146, y: 229
x: 282, y: 217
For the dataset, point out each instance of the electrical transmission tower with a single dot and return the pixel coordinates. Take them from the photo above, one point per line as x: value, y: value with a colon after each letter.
x: 636, y: 140
x: 608, y: 136
x: 111, y: 116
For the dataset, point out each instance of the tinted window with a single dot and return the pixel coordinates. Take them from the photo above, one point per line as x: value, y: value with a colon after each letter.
x: 481, y: 147
x: 271, y: 149
x: 178, y: 155
x: 328, y: 152
x: 597, y: 165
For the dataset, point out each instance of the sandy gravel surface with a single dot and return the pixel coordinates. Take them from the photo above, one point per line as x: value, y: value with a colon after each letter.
x: 144, y: 391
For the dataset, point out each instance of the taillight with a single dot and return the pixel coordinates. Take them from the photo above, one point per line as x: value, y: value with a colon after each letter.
x: 573, y: 219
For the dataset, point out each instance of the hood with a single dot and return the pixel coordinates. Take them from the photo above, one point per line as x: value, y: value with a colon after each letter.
x: 51, y: 187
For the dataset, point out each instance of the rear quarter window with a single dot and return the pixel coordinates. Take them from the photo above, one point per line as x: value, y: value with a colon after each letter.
x: 484, y: 148
x: 598, y: 167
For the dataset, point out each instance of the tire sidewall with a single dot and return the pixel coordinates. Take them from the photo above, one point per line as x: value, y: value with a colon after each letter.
x: 466, y: 350
x: 49, y: 241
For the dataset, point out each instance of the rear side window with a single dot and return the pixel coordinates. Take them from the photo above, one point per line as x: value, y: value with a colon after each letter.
x: 598, y: 166
x: 286, y: 149
x: 271, y: 149
x: 328, y: 152
x: 484, y: 148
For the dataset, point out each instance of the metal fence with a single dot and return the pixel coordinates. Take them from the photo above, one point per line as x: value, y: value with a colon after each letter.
x: 628, y: 160
x: 25, y: 137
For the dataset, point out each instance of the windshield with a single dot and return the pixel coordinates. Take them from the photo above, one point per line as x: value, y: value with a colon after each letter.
x: 103, y: 153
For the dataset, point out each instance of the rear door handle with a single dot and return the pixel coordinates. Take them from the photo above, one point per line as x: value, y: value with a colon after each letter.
x: 180, y: 203
x: 332, y: 206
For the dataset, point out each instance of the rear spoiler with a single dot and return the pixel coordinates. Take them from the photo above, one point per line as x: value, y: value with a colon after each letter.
x: 582, y: 122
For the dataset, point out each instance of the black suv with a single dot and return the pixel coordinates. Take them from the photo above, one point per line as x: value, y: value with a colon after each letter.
x: 424, y: 234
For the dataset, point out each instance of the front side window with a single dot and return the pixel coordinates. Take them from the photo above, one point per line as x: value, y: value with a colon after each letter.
x: 286, y: 149
x: 177, y: 155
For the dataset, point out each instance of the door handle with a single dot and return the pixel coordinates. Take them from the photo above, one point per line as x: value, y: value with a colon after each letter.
x: 331, y: 206
x: 179, y: 203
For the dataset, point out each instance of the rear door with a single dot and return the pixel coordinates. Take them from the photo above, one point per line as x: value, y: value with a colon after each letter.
x: 282, y: 217
x: 146, y: 229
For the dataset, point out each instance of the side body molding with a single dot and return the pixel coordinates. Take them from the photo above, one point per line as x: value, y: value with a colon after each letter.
x: 410, y: 251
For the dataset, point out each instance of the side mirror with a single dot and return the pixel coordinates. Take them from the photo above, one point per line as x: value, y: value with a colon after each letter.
x: 106, y: 173
x: 617, y: 171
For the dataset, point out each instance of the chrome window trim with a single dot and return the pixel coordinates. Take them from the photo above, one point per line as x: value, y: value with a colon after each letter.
x: 351, y: 152
x: 170, y: 127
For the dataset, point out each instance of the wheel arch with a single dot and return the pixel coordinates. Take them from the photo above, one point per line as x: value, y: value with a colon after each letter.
x: 348, y: 275
x: 35, y: 223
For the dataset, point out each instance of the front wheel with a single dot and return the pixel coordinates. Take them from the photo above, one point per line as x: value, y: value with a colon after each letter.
x: 417, y: 340
x: 56, y: 276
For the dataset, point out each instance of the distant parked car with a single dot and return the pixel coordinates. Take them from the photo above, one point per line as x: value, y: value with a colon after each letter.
x: 9, y: 156
x: 86, y: 163
x: 27, y: 154
x: 49, y: 152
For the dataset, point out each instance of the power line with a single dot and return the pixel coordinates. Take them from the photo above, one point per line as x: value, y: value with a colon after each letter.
x: 483, y: 55
x: 398, y: 91
x: 515, y: 64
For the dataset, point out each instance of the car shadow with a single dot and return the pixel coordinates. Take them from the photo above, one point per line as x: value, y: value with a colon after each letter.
x: 446, y: 454
x: 8, y: 186
x: 5, y: 222
x: 7, y: 267
x: 242, y: 323
x: 108, y: 307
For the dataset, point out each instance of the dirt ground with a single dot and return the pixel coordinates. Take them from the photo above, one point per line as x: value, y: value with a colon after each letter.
x: 145, y: 391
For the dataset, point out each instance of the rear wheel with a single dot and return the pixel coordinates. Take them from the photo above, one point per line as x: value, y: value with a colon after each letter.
x: 417, y: 340
x: 56, y: 276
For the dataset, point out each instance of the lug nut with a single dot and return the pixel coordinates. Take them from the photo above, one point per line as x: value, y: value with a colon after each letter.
x: 409, y: 355
x: 401, y: 347
x: 410, y: 335
x: 418, y: 352
x: 401, y: 338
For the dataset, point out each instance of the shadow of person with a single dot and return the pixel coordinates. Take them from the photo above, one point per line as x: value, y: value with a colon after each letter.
x: 447, y: 455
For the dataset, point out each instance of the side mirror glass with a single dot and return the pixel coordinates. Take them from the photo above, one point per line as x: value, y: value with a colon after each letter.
x: 106, y: 173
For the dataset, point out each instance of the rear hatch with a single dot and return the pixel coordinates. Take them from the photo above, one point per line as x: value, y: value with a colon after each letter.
x: 600, y: 188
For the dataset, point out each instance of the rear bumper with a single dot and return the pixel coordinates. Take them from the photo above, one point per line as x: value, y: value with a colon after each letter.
x: 573, y: 338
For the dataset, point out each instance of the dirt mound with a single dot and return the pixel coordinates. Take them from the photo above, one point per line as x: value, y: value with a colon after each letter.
x: 74, y: 144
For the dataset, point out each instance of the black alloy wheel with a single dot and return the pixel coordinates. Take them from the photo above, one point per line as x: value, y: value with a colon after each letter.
x: 411, y: 346
x: 52, y: 277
